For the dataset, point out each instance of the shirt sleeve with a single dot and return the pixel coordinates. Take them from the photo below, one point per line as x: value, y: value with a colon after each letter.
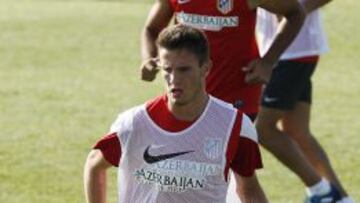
x: 120, y: 131
x: 247, y: 156
x: 110, y: 147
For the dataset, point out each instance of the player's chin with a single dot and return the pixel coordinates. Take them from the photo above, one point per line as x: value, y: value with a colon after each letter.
x: 178, y: 101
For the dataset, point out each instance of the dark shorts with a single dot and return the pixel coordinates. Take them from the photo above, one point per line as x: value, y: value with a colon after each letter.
x: 290, y: 83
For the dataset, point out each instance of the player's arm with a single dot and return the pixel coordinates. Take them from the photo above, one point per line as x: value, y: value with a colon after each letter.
x: 246, y: 161
x: 253, y: 3
x: 159, y: 17
x: 249, y: 189
x: 259, y: 71
x: 95, y: 177
x: 311, y: 5
x: 294, y: 16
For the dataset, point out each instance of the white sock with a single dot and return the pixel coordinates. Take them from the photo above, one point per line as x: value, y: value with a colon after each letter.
x: 346, y: 200
x: 320, y: 188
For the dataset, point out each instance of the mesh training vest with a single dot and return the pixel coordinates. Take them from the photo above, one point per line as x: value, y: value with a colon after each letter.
x: 165, y: 167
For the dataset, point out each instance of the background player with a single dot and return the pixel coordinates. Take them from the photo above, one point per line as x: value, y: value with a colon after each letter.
x: 287, y: 98
x: 230, y: 28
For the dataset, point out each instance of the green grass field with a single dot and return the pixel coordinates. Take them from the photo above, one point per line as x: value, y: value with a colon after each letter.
x: 68, y: 67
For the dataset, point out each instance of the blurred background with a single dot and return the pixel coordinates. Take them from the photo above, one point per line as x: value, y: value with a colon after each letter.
x: 67, y: 68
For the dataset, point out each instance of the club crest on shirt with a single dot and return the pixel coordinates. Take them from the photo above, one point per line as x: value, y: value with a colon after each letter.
x: 213, y: 148
x: 225, y: 6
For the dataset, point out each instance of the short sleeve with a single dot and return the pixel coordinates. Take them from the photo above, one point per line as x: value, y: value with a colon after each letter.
x: 247, y: 156
x: 110, y: 147
x: 112, y: 144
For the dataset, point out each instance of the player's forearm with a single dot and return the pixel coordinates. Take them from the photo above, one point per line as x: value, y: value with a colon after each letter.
x: 249, y: 189
x: 95, y: 177
x: 148, y: 46
x: 311, y: 5
x: 251, y: 195
x: 252, y: 199
x: 95, y: 185
x: 292, y: 23
x: 159, y: 17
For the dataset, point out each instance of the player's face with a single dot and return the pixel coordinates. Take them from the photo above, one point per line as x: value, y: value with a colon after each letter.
x: 184, y: 77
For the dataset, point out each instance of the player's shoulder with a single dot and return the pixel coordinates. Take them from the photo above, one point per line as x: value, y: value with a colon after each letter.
x: 247, y: 128
x: 131, y: 113
x: 125, y: 119
x: 222, y: 103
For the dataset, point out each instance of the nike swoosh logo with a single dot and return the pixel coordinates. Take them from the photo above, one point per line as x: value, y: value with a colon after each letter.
x: 183, y: 1
x: 150, y: 159
x: 270, y: 99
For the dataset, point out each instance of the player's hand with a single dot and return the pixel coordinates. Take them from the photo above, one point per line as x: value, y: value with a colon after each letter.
x: 149, y: 68
x: 258, y: 71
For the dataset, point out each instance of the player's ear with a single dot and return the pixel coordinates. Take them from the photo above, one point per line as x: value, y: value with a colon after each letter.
x: 206, y: 67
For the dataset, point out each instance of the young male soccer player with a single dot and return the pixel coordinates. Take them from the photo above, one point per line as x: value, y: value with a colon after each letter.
x: 178, y: 147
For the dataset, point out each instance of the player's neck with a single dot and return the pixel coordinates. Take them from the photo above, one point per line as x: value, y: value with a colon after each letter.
x: 190, y: 111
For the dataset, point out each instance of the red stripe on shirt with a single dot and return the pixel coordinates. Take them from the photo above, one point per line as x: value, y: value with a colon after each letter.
x: 232, y: 146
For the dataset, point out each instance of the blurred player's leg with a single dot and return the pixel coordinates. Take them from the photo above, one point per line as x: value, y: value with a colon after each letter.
x: 282, y: 146
x: 296, y: 124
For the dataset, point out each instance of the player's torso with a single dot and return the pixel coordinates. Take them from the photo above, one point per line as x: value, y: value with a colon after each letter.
x: 230, y: 28
x: 188, y: 166
x: 218, y: 18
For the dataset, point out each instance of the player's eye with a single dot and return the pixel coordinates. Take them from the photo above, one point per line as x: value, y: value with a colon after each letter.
x: 184, y: 69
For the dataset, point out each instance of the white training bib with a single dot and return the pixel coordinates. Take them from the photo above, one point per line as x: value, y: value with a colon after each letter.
x: 186, y: 166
